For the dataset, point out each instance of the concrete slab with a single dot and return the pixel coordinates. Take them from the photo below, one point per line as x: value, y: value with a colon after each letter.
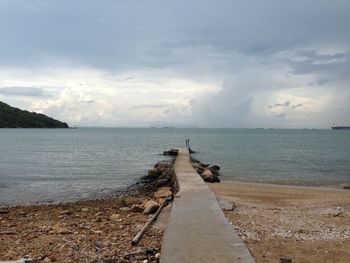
x: 198, y: 230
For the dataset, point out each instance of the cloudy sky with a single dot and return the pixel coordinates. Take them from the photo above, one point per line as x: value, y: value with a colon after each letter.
x: 272, y: 63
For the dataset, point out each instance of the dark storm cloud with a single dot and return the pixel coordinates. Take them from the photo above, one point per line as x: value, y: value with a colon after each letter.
x: 246, y: 45
x: 123, y: 34
x: 333, y: 67
x: 23, y: 91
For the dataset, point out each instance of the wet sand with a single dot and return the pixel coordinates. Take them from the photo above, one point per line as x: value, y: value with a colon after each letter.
x: 306, y: 224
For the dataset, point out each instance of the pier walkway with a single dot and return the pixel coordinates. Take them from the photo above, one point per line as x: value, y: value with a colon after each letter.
x: 198, y: 230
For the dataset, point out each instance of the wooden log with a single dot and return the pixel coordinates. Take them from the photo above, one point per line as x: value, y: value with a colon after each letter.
x: 143, y: 229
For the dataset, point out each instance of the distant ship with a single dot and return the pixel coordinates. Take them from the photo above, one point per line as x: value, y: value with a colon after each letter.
x: 341, y: 127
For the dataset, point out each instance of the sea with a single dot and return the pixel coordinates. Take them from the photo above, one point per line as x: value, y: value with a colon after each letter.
x: 61, y: 165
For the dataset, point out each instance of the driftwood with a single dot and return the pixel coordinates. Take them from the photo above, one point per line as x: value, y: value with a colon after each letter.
x: 155, y: 215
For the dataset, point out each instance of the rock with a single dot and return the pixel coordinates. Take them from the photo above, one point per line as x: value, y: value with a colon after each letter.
x: 208, y: 176
x: 215, y: 169
x: 60, y: 229
x: 85, y: 209
x: 162, y: 182
x: 22, y: 260
x: 102, y: 244
x: 285, y: 260
x: 8, y: 232
x: 200, y: 169
x: 157, y: 256
x: 115, y: 217
x: 172, y: 152
x: 165, y: 164
x: 153, y: 173
x: 4, y: 211
x: 347, y: 187
x: 191, y: 151
x: 151, y: 207
x: 163, y: 192
x: 99, y: 214
x: 226, y: 205
x: 205, y: 165
x: 137, y: 208
x: 65, y: 212
x: 125, y: 209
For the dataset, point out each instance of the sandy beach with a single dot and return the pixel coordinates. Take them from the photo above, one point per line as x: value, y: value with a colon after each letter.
x: 305, y: 224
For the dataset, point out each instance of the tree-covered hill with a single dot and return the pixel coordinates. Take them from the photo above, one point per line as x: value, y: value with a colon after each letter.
x: 11, y: 117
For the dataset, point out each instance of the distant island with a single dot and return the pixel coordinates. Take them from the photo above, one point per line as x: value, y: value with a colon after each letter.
x: 11, y: 117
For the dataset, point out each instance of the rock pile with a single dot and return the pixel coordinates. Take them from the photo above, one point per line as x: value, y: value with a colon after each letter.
x: 209, y: 173
x: 159, y: 184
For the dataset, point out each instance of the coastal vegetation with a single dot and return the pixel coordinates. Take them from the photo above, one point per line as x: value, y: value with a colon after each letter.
x: 11, y: 117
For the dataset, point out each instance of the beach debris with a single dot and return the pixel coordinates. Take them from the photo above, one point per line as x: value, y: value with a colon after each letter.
x: 22, y: 260
x: 138, y: 236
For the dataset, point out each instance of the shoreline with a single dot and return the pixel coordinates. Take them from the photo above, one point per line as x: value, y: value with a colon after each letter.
x: 98, y: 230
x: 224, y: 179
x: 274, y: 220
x: 287, y: 184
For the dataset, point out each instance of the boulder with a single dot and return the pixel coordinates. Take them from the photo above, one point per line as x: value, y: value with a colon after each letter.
x: 208, y: 176
x: 200, y: 169
x: 151, y: 207
x: 163, y: 164
x: 137, y: 208
x: 163, y: 192
x: 215, y: 169
x: 172, y: 152
x: 153, y: 173
x: 162, y: 182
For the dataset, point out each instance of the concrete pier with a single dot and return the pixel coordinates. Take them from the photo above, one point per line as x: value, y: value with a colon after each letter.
x: 198, y: 230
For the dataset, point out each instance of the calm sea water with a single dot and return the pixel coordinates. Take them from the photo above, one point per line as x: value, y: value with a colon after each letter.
x: 50, y: 165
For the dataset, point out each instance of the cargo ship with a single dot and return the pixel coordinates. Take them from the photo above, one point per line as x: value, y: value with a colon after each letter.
x: 341, y: 127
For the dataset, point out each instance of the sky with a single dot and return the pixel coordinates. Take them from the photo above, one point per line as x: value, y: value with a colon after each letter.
x: 210, y: 64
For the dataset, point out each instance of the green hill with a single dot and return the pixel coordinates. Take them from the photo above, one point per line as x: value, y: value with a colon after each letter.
x: 11, y: 117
